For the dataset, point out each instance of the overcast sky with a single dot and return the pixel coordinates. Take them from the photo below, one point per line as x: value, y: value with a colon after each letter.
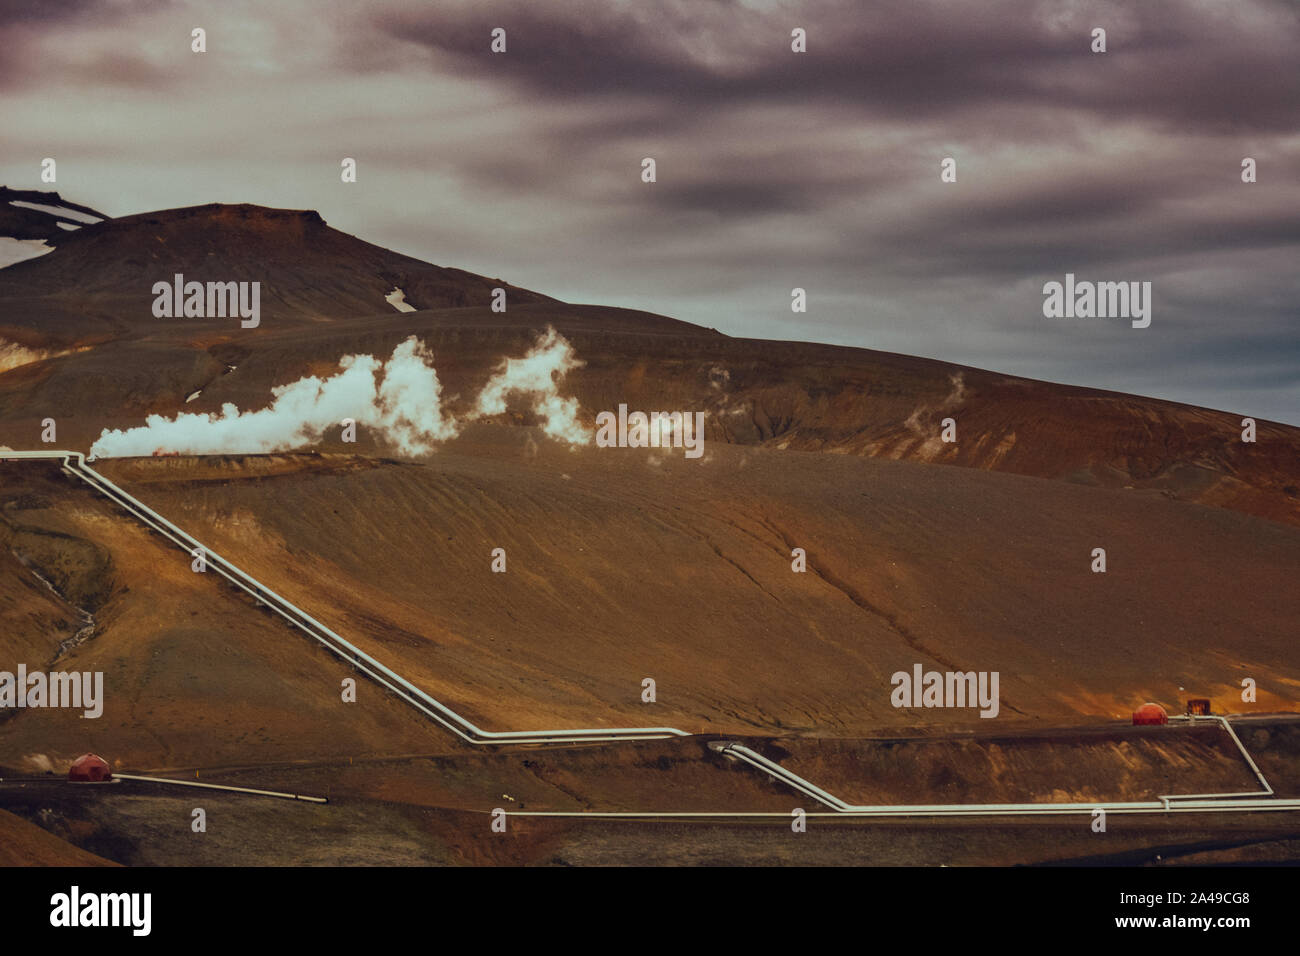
x: 775, y: 169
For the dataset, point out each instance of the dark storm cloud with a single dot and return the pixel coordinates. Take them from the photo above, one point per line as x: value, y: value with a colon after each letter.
x: 44, y: 11
x: 49, y: 13
x: 736, y: 199
x: 963, y: 244
x: 1172, y: 61
x: 1080, y: 201
x: 729, y: 188
x: 27, y: 57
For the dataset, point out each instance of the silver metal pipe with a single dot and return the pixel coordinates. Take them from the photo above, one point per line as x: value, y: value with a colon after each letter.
x: 75, y: 463
x: 1275, y: 804
x: 220, y: 786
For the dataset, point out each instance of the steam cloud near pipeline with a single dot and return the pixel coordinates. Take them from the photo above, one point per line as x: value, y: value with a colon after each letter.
x: 401, y: 399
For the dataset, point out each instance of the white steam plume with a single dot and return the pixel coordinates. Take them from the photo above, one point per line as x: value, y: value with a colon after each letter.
x: 400, y: 399
x: 538, y: 374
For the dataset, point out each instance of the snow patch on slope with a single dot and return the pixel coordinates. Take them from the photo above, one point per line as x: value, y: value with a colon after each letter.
x: 17, y: 250
x: 397, y: 299
x: 61, y: 211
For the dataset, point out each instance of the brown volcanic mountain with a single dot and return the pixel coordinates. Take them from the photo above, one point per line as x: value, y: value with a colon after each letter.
x: 323, y: 296
x: 622, y: 563
x: 813, y: 411
x: 99, y: 280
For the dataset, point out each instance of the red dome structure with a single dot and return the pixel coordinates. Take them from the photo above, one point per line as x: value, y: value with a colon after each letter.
x: 1150, y: 714
x: 90, y: 768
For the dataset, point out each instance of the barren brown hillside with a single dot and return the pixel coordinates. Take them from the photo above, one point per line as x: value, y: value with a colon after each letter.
x: 624, y: 564
x: 323, y: 298
x: 23, y: 844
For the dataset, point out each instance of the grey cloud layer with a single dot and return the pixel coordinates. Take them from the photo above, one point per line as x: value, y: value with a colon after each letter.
x: 1171, y: 60
x: 776, y: 170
